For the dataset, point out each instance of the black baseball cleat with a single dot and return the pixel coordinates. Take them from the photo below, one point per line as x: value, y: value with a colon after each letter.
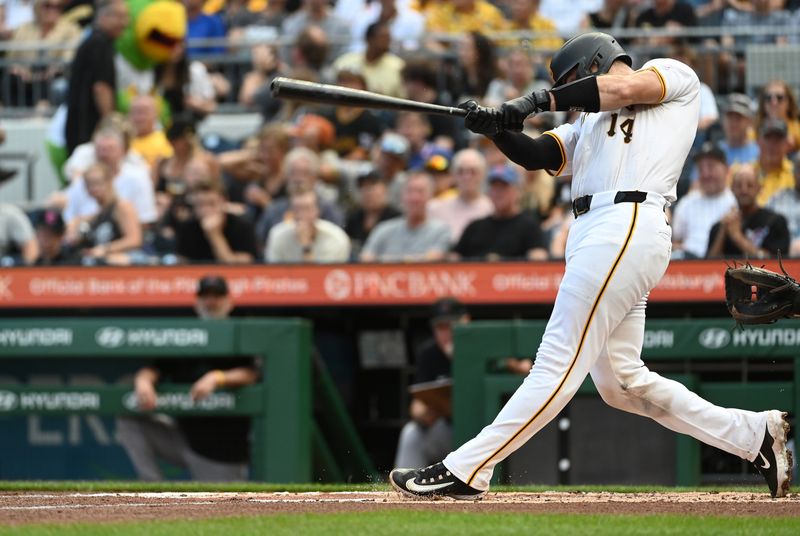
x: 432, y: 482
x: 774, y: 460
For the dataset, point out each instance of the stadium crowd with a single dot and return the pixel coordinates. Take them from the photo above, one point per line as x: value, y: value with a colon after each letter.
x: 341, y: 184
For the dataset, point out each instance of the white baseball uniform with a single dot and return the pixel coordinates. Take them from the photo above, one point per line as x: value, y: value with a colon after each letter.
x: 616, y: 253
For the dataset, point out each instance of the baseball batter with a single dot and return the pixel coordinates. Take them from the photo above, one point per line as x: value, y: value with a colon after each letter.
x: 625, y: 153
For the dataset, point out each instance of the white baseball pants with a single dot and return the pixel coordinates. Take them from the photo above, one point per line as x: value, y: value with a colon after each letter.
x: 616, y: 253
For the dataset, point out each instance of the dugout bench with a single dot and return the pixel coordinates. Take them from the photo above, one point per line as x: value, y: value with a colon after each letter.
x: 478, y: 392
x: 287, y: 442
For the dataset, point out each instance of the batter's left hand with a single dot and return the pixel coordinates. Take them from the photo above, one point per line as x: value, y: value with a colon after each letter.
x: 514, y: 112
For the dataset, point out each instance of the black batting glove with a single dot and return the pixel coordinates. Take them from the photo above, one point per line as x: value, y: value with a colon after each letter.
x: 514, y: 112
x: 481, y: 119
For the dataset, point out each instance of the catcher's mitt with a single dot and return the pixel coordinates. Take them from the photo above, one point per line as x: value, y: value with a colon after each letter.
x: 760, y: 296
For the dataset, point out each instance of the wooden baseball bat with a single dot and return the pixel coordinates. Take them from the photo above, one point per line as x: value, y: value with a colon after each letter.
x: 289, y: 88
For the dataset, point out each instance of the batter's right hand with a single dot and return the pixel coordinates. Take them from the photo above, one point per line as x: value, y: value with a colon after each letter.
x: 481, y: 119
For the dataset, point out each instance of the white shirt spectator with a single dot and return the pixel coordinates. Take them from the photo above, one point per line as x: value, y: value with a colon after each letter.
x: 132, y: 184
x: 331, y: 244
x: 708, y: 104
x: 17, y: 13
x: 786, y: 202
x: 84, y: 156
x: 695, y: 215
x: 407, y: 28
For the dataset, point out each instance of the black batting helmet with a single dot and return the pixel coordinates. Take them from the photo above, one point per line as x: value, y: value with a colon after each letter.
x: 585, y: 50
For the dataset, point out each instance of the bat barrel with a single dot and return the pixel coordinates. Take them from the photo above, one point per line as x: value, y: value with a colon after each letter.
x: 288, y: 88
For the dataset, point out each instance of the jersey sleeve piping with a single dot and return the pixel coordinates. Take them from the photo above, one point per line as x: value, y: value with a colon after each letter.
x: 660, y: 79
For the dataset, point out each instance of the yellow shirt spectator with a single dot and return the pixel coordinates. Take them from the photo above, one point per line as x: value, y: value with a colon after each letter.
x: 470, y: 16
x: 774, y: 181
x: 152, y: 147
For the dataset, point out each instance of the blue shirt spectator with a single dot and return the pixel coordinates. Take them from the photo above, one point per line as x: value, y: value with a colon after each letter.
x: 202, y: 26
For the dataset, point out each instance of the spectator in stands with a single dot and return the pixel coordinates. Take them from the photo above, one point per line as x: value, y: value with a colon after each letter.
x: 701, y: 208
x: 612, y: 15
x: 469, y: 172
x: 50, y: 231
x: 406, y: 25
x: 200, y: 25
x: 132, y: 181
x: 379, y: 66
x: 306, y: 238
x: 113, y: 234
x: 773, y: 168
x: 149, y: 141
x: 412, y: 237
x: 507, y: 233
x: 777, y: 101
x: 31, y: 82
x: 186, y: 148
x: 475, y: 68
x: 356, y: 129
x: 748, y: 230
x: 301, y: 171
x: 92, y: 83
x: 786, y: 202
x: 261, y: 169
x: 526, y: 16
x: 392, y: 164
x: 319, y: 13
x: 421, y: 85
x: 373, y: 208
x: 266, y: 66
x: 671, y: 14
x: 438, y: 164
x: 85, y: 154
x: 214, y: 449
x: 416, y: 129
x: 17, y: 238
x: 569, y: 17
x: 458, y: 16
x: 214, y: 235
x: 187, y: 86
x: 737, y: 145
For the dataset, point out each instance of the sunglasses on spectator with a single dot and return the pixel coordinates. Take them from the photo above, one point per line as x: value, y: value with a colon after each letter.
x: 780, y: 97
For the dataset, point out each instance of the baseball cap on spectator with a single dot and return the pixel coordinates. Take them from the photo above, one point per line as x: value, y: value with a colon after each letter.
x: 774, y: 127
x: 447, y: 309
x: 438, y: 160
x: 506, y: 174
x: 395, y: 144
x: 739, y: 103
x: 181, y: 127
x: 212, y: 285
x: 51, y: 220
x: 711, y: 150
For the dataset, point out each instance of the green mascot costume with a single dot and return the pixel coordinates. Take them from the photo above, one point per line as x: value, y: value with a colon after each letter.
x: 157, y: 28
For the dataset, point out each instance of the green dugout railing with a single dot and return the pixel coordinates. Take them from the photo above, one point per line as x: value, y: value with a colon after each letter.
x: 286, y: 440
x: 478, y: 392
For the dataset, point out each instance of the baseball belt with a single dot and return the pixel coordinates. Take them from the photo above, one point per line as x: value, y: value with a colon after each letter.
x: 582, y: 205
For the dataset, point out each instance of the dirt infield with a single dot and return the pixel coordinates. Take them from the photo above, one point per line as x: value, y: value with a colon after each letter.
x: 26, y: 507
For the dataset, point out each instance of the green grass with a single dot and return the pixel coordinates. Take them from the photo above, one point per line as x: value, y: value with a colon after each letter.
x: 420, y: 523
x: 186, y: 486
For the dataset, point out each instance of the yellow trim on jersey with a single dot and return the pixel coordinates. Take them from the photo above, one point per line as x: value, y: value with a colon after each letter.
x: 563, y: 154
x: 661, y: 79
x: 577, y: 351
